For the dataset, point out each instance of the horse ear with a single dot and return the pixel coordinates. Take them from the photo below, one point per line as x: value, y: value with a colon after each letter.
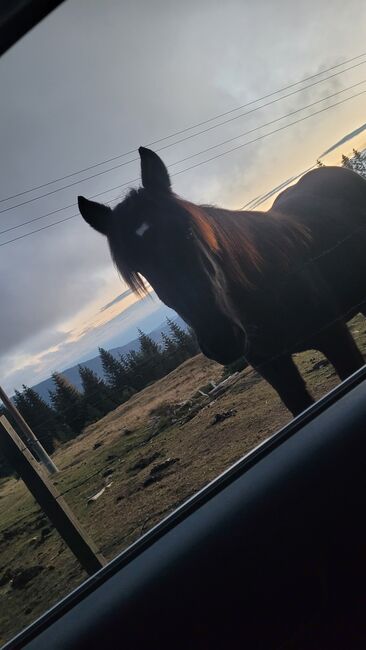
x: 154, y: 174
x: 95, y: 214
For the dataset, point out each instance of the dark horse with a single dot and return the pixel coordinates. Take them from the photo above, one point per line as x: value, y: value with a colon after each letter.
x: 263, y: 285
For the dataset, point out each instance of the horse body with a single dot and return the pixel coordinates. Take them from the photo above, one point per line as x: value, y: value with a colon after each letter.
x: 331, y: 202
x: 263, y: 284
x: 307, y: 306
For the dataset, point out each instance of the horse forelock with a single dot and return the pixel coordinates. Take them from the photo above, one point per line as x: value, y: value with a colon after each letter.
x: 132, y: 278
x: 133, y: 199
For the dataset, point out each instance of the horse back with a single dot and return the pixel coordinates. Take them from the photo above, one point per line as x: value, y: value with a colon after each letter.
x: 328, y: 280
x: 325, y: 184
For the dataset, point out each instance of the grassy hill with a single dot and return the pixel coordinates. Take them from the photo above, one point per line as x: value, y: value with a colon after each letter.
x: 150, y: 454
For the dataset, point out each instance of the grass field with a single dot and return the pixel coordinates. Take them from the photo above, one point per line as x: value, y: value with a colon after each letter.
x: 150, y: 454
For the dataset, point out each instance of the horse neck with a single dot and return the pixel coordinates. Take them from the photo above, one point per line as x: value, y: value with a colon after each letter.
x: 240, y: 257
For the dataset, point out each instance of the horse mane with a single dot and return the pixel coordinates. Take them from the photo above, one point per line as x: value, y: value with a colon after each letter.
x: 133, y: 279
x: 245, y: 243
x: 238, y: 245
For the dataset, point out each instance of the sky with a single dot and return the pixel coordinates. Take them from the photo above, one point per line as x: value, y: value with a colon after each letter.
x: 95, y: 80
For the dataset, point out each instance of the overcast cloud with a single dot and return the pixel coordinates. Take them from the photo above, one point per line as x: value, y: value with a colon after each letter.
x: 98, y: 79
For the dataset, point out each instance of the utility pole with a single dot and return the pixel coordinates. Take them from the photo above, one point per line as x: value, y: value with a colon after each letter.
x: 32, y: 441
x: 49, y: 498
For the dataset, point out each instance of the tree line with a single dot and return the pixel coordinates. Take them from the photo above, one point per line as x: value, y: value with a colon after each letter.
x: 70, y: 410
x: 356, y: 163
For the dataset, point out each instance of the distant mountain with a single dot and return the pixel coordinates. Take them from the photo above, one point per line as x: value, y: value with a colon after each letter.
x: 94, y: 364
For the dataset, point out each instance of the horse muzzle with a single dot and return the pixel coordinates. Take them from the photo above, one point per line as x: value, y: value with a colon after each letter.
x: 223, y: 348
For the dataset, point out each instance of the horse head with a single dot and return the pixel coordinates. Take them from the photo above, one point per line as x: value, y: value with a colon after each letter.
x: 155, y: 235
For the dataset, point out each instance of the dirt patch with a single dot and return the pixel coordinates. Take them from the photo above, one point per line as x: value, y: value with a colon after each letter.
x: 143, y: 462
x: 220, y: 417
x: 161, y: 467
x: 23, y: 576
x: 158, y: 472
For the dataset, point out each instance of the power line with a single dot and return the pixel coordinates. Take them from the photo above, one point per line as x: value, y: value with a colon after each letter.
x: 277, y: 119
x: 197, y: 154
x: 66, y: 207
x: 193, y: 135
x: 167, y: 137
x: 261, y: 198
x: 43, y: 216
x: 203, y: 162
x: 205, y: 150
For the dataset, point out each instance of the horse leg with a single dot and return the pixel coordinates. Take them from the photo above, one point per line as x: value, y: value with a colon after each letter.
x: 285, y: 378
x: 337, y: 344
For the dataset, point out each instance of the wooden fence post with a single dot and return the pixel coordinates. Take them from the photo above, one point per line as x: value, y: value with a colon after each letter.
x: 50, y: 500
x: 38, y: 451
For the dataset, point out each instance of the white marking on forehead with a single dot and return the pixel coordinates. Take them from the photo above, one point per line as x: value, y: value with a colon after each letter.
x: 142, y: 229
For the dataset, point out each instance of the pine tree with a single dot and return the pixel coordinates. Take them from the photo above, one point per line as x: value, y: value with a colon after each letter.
x: 358, y: 163
x: 20, y: 402
x: 185, y: 340
x: 129, y: 388
x: 172, y: 355
x: 97, y: 396
x: 194, y: 347
x: 135, y: 370
x: 147, y: 345
x: 92, y: 414
x: 43, y: 420
x: 39, y: 416
x: 68, y: 403
x: 115, y: 373
x: 150, y: 358
x: 6, y: 468
x: 169, y: 346
x: 25, y: 409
